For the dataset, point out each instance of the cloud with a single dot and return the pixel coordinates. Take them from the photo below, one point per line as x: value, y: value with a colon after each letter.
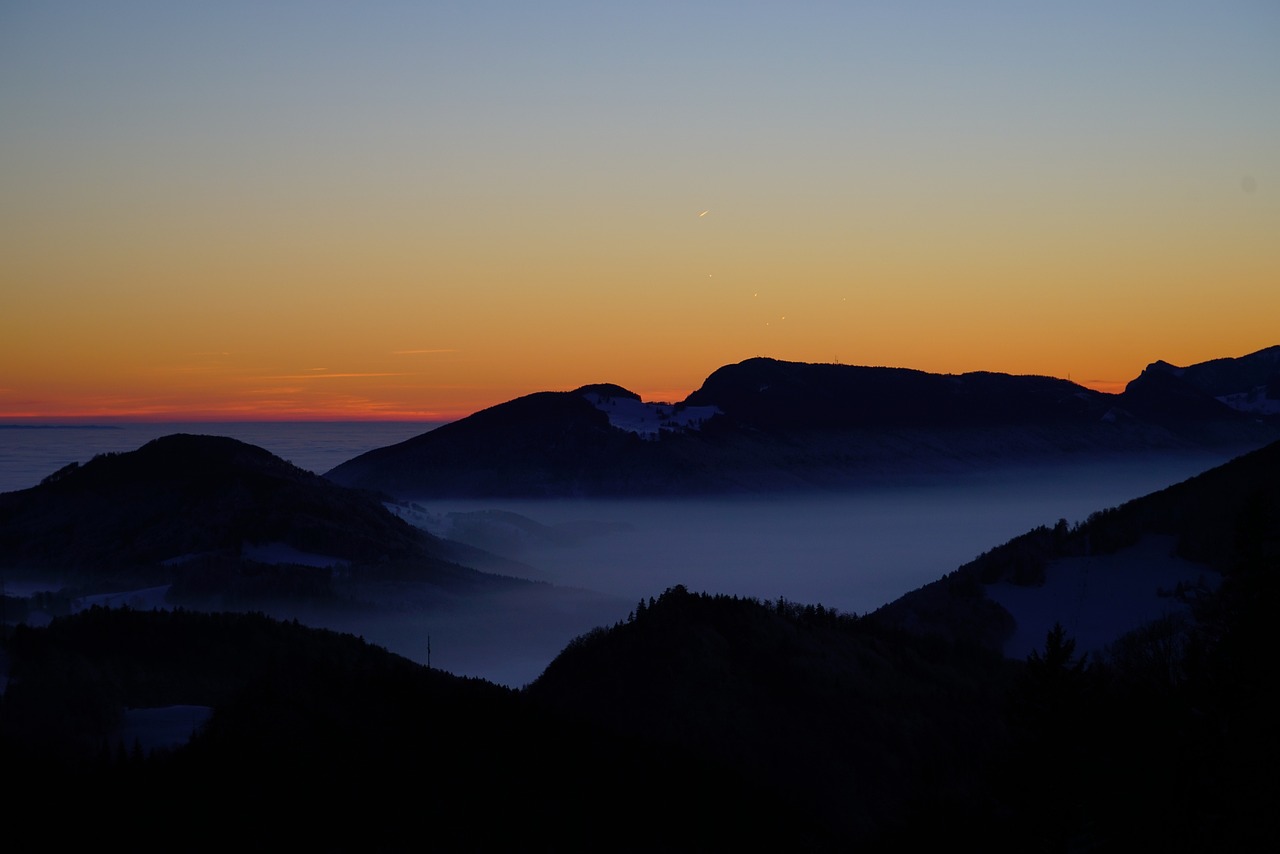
x: 1106, y: 386
x: 347, y: 375
x: 422, y: 352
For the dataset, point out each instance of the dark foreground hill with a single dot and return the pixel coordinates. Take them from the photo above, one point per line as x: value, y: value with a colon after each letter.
x: 223, y: 523
x: 865, y: 727
x: 321, y: 741
x: 765, y: 425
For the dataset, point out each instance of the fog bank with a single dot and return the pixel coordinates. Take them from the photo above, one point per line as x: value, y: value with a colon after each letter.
x: 853, y: 551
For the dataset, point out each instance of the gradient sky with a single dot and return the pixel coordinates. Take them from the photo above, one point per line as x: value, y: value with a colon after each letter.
x: 415, y: 210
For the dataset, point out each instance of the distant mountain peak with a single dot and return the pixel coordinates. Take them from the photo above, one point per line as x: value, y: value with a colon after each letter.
x: 607, y: 390
x: 140, y: 513
x: 1161, y: 366
x: 1247, y: 384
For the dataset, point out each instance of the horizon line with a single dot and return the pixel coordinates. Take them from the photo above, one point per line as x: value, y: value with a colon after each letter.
x: 29, y: 419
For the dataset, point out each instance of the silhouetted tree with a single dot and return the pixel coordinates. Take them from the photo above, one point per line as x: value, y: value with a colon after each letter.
x: 1052, y: 723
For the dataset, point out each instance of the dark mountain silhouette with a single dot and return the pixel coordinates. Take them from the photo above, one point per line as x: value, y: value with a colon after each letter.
x: 216, y: 518
x: 765, y: 425
x: 321, y: 740
x: 813, y: 705
x: 1221, y: 377
x: 544, y: 443
x: 1160, y: 396
x: 1249, y: 384
x: 769, y: 394
x: 1212, y: 520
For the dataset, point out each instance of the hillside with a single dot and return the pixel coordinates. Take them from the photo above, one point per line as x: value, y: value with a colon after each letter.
x: 1211, y: 521
x: 811, y: 704
x: 221, y: 521
x: 320, y: 740
x: 765, y: 425
x: 1248, y: 384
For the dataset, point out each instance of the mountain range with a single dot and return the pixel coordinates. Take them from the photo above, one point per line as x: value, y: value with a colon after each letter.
x: 765, y: 425
x: 700, y: 721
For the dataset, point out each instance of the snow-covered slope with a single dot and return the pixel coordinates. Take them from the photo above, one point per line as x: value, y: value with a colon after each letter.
x: 648, y: 420
x: 1098, y: 599
x: 1255, y: 402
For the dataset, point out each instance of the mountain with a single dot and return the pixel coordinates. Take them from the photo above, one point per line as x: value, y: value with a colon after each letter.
x: 219, y: 520
x: 1249, y: 384
x: 767, y: 394
x: 765, y: 425
x: 542, y: 443
x: 1168, y: 549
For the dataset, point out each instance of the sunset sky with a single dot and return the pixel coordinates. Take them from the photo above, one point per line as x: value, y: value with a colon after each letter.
x: 415, y: 210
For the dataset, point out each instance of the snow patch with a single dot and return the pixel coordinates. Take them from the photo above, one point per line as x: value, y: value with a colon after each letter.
x: 1098, y: 599
x: 650, y: 420
x: 420, y: 517
x: 1254, y: 402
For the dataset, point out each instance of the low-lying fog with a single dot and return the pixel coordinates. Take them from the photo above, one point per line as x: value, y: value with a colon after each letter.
x: 852, y: 551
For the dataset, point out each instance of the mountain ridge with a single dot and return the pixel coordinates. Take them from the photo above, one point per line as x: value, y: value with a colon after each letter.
x: 765, y: 425
x: 1208, y: 518
x: 217, y: 519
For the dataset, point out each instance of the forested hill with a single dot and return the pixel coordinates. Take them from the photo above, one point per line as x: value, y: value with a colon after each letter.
x: 216, y: 518
x: 862, y: 724
x: 1226, y: 519
x: 319, y: 740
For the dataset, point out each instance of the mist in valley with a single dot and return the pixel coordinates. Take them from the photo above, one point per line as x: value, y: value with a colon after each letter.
x: 507, y: 637
x: 591, y: 561
x: 853, y: 551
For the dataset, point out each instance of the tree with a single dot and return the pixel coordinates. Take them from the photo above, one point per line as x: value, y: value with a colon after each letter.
x: 1058, y: 655
x: 1053, y: 722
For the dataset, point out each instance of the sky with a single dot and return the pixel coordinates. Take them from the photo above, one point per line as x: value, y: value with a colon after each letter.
x: 396, y: 210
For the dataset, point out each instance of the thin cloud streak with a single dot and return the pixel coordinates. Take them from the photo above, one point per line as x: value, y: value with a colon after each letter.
x: 422, y: 352
x: 348, y: 375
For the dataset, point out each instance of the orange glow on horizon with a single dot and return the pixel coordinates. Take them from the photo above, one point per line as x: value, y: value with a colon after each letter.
x: 204, y: 217
x: 132, y: 410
